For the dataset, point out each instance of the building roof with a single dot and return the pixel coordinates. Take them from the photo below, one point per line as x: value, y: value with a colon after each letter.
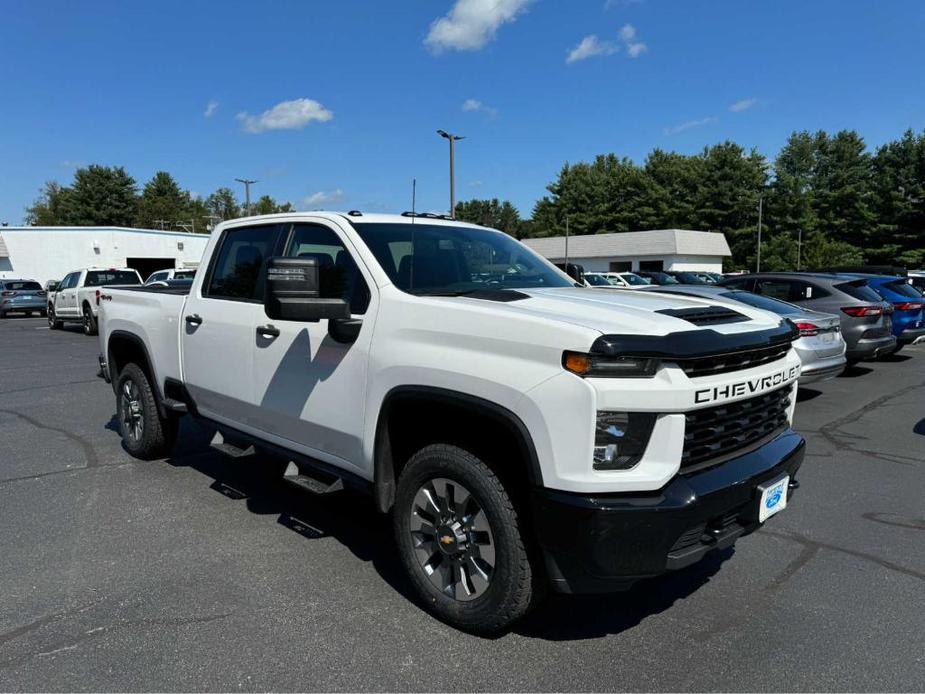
x: 633, y: 243
x: 97, y: 229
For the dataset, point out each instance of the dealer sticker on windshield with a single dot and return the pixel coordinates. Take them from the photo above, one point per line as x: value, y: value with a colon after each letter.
x: 773, y: 497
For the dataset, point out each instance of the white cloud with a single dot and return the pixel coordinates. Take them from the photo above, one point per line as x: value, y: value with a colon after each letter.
x: 476, y: 106
x: 610, y: 4
x: 680, y: 128
x: 211, y: 108
x: 323, y: 198
x: 471, y: 24
x: 743, y: 105
x: 475, y: 184
x: 634, y: 48
x: 286, y: 115
x: 589, y: 47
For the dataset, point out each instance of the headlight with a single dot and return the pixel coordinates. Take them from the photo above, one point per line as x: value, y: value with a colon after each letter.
x: 609, y: 366
x: 620, y: 439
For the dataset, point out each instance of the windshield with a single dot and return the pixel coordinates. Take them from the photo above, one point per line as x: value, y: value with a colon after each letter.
x: 688, y: 278
x: 859, y: 289
x: 904, y: 288
x: 184, y: 274
x: 766, y: 303
x: 97, y: 278
x: 635, y: 280
x: 662, y: 278
x: 597, y: 280
x: 453, y: 260
x: 22, y: 286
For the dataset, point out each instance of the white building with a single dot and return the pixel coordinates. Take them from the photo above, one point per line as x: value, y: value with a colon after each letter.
x: 49, y: 253
x: 662, y: 249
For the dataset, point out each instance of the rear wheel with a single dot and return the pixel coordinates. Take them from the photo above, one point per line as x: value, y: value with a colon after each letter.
x: 145, y: 433
x: 461, y: 541
x: 89, y: 322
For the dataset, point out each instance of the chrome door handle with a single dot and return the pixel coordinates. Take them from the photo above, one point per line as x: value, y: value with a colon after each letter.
x: 267, y: 331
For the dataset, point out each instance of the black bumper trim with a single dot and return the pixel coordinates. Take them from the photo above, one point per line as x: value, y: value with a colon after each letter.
x: 602, y: 543
x: 910, y: 335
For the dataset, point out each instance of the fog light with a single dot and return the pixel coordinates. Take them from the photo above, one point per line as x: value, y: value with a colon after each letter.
x: 620, y: 439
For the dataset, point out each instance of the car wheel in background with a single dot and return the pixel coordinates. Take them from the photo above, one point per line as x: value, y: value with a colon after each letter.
x: 145, y: 434
x: 89, y: 322
x: 461, y: 541
x: 53, y: 323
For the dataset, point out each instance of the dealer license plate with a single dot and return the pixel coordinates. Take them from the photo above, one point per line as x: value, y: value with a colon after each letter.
x: 773, y: 497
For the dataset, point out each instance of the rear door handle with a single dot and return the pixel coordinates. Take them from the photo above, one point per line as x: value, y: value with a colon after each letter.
x: 267, y: 331
x: 194, y: 319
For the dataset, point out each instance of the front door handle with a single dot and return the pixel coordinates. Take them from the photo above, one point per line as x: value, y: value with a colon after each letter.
x: 194, y: 319
x: 267, y: 331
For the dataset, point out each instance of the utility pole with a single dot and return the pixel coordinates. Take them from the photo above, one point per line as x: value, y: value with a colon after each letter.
x: 566, y: 243
x: 452, y: 138
x: 760, y: 201
x: 247, y: 194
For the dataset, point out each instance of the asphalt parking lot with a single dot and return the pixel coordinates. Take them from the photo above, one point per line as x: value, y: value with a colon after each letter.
x: 204, y: 573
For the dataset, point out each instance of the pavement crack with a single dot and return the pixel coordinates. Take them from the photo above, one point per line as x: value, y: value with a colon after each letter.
x: 89, y: 451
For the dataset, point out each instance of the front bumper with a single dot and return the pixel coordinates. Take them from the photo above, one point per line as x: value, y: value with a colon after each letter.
x: 606, y: 542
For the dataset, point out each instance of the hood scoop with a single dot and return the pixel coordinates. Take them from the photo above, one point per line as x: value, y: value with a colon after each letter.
x: 705, y: 315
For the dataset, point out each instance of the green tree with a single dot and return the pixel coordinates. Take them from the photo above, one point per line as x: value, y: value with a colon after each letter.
x: 678, y: 178
x: 52, y: 207
x: 843, y: 191
x: 101, y: 196
x: 491, y: 213
x: 162, y: 204
x: 223, y: 205
x: 899, y: 190
x: 267, y: 205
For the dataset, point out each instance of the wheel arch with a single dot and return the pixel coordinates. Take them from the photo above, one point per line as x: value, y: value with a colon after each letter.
x: 406, y: 421
x: 123, y: 348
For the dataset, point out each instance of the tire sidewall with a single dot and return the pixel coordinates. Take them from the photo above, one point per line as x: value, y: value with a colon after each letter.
x: 465, y: 469
x: 145, y: 448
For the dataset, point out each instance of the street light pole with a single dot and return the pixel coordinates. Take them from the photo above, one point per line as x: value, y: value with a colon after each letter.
x: 247, y: 194
x: 760, y: 201
x: 452, y: 138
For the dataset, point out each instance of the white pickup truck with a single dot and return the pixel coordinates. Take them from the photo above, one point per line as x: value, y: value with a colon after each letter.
x: 75, y: 297
x: 522, y: 431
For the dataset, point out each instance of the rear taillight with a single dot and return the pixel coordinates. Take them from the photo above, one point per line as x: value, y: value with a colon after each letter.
x: 7, y: 293
x: 97, y: 297
x: 909, y: 306
x: 808, y: 329
x: 862, y: 311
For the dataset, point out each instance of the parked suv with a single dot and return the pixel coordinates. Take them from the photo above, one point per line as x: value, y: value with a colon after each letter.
x: 866, y: 322
x: 21, y: 296
x: 908, y: 307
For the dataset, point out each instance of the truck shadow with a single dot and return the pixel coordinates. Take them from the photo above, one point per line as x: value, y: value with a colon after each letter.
x: 257, y: 481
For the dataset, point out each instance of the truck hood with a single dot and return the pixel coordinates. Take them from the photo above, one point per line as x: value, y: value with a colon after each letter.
x: 621, y: 311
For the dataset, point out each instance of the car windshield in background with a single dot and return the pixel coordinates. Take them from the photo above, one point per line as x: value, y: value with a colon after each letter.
x: 903, y: 288
x: 766, y: 303
x: 455, y: 260
x: 97, y: 278
x: 597, y: 280
x: 635, y: 280
x: 184, y: 274
x: 689, y: 278
x: 22, y: 286
x: 859, y: 290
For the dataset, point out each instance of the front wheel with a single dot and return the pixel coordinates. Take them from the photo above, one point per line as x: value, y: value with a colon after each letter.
x: 89, y: 322
x: 461, y: 541
x: 53, y: 323
x: 145, y: 434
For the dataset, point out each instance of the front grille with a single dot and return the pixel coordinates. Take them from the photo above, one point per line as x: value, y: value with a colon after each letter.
x: 713, y: 434
x: 733, y: 361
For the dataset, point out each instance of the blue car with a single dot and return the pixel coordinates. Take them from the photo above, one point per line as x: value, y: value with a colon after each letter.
x: 908, y: 307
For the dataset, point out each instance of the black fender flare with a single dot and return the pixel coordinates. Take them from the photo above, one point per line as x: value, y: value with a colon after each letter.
x: 148, y: 366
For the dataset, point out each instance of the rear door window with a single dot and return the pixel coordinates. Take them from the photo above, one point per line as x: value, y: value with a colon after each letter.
x: 776, y: 289
x: 859, y: 290
x: 744, y: 284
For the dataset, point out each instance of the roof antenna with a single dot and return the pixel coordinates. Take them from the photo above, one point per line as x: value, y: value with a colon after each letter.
x: 414, y: 194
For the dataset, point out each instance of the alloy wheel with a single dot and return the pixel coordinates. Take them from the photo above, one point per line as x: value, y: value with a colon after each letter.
x: 133, y: 423
x: 452, y: 539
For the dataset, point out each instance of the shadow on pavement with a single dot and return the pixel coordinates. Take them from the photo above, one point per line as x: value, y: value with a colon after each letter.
x: 805, y: 394
x: 895, y: 358
x: 853, y: 371
x: 919, y: 428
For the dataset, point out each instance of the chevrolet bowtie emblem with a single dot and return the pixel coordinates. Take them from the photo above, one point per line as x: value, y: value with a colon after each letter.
x: 446, y: 539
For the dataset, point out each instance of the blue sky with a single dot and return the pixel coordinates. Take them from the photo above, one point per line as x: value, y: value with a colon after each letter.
x: 335, y: 104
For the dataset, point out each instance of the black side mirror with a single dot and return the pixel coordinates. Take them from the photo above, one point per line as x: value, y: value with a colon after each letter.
x: 293, y: 289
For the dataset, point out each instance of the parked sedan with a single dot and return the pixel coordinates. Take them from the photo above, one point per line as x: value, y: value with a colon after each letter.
x: 866, y: 322
x: 908, y: 307
x: 820, y: 346
x: 657, y: 277
x: 21, y: 296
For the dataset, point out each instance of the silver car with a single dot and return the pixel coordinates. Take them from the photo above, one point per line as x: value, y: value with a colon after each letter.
x: 21, y: 296
x: 820, y: 346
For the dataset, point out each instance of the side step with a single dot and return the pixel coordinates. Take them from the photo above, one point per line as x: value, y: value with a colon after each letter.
x: 294, y: 475
x: 229, y: 449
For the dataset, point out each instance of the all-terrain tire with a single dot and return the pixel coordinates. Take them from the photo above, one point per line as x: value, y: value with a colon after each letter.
x: 145, y: 434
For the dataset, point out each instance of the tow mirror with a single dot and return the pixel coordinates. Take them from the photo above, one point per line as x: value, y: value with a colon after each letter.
x: 293, y: 292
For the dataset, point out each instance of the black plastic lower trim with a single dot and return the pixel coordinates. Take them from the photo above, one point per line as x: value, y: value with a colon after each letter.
x: 602, y: 543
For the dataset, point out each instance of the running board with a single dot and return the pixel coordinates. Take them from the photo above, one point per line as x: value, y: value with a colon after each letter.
x: 295, y: 476
x: 229, y: 449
